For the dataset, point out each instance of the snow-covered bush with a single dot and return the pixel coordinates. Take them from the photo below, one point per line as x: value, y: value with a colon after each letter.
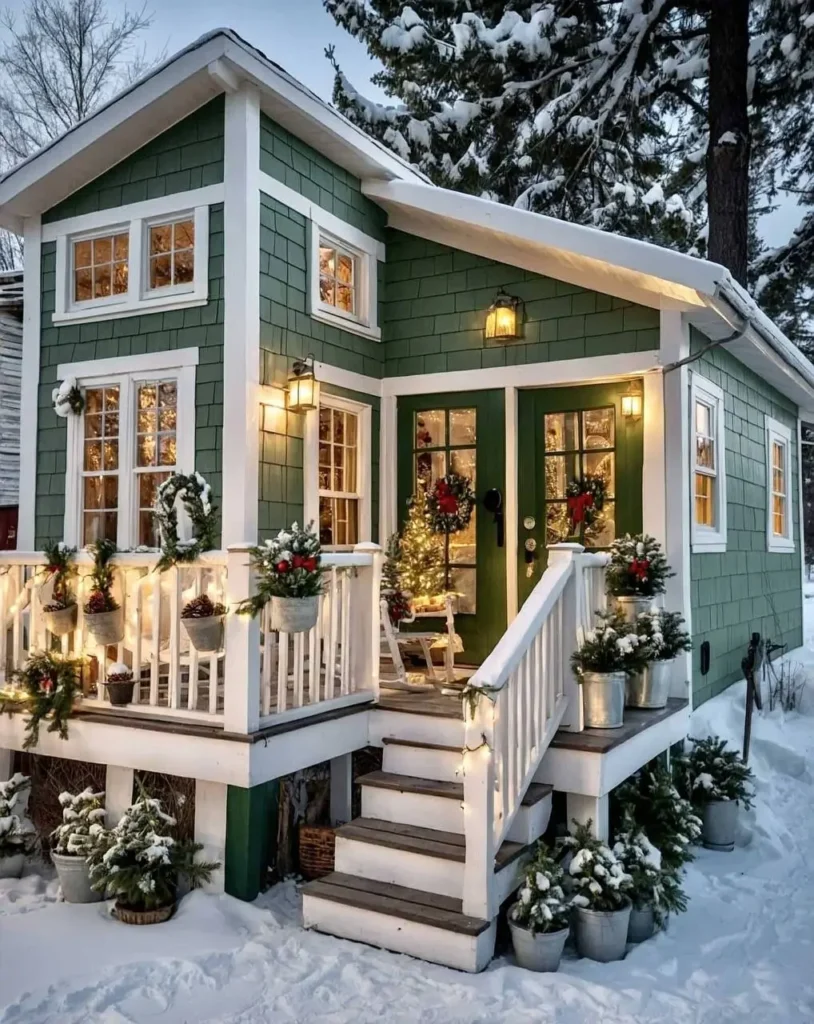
x: 541, y: 903
x: 82, y: 820
x: 139, y: 862
x: 67, y: 398
x: 599, y: 880
x: 16, y: 834
x: 662, y: 634
x: 637, y: 567
x: 613, y: 646
x: 653, y: 884
x: 711, y: 772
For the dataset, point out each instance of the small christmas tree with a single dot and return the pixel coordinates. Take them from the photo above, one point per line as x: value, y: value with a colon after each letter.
x: 422, y: 570
x: 398, y: 604
x: 83, y: 819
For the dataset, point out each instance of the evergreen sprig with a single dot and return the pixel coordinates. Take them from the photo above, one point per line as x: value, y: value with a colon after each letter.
x: 59, y: 570
x: 51, y: 684
x: 288, y: 565
x: 653, y: 883
x: 662, y: 635
x: 599, y: 878
x: 542, y: 905
x: 637, y: 568
x: 712, y: 772
x: 612, y: 646
x: 83, y: 816
x: 101, y: 597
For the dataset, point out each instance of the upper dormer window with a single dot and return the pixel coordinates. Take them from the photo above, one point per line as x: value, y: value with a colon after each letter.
x: 338, y: 277
x: 171, y: 254
x: 100, y: 267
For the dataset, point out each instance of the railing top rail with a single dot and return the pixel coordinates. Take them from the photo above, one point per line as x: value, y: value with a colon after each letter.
x: 599, y: 559
x: 124, y: 559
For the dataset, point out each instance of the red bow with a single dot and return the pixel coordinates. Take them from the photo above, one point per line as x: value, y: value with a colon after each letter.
x: 305, y: 563
x: 447, y: 502
x: 639, y: 568
x: 578, y: 505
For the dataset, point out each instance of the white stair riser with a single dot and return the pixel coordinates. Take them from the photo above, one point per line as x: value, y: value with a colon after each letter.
x: 530, y: 822
x: 412, y: 809
x: 449, y: 732
x: 463, y: 952
x: 399, y: 867
x: 423, y: 762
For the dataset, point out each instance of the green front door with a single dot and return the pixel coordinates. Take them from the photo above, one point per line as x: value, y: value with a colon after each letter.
x: 463, y: 433
x: 563, y: 434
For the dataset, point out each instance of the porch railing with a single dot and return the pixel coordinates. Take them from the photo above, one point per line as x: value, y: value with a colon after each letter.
x: 527, y: 692
x: 253, y: 678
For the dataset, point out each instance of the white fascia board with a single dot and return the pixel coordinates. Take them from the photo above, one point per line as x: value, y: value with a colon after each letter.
x: 348, y: 379
x: 147, y: 362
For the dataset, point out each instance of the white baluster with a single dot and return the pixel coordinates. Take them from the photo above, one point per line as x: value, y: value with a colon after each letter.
x: 345, y: 648
x: 299, y: 668
x: 282, y: 672
x: 333, y: 627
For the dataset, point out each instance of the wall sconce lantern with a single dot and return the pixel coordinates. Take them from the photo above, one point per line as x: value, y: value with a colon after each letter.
x: 303, y: 387
x: 632, y: 402
x: 503, y: 318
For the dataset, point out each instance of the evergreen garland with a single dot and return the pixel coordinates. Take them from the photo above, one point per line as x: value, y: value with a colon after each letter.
x: 196, y: 496
x: 51, y: 684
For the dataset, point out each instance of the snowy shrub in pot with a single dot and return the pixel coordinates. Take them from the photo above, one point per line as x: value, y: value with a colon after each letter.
x: 604, y: 659
x: 637, y: 572
x: 82, y: 821
x: 202, y: 619
x: 60, y: 612
x: 662, y: 639
x: 139, y: 862
x: 601, y: 896
x: 17, y: 835
x: 716, y: 781
x: 540, y: 918
x: 103, y: 616
x: 655, y: 890
x: 289, y: 577
x: 119, y: 684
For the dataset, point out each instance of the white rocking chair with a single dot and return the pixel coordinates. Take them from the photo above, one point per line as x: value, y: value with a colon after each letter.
x: 393, y: 641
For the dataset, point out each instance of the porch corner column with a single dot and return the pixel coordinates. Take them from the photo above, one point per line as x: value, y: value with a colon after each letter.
x: 593, y: 809
x: 118, y: 792
x: 251, y: 833
x: 210, y: 828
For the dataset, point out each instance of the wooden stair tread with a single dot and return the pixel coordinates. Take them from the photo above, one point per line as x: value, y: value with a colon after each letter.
x: 433, y: 787
x: 421, y: 744
x: 427, y: 908
x: 427, y: 841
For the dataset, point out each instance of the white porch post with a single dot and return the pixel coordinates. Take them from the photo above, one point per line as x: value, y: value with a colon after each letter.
x: 29, y: 401
x: 341, y: 789
x: 479, y: 809
x: 210, y: 828
x: 595, y: 809
x: 388, y: 511
x: 572, y: 720
x: 118, y: 792
x: 366, y: 648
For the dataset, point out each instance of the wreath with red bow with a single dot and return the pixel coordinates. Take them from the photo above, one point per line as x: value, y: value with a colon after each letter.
x: 585, y: 499
x: 449, y: 503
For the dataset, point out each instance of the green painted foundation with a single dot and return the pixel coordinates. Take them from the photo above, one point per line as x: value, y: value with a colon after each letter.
x: 251, y: 836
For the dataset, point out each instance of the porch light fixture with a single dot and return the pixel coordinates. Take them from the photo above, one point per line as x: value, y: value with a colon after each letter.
x: 632, y: 402
x: 303, y: 387
x: 503, y: 318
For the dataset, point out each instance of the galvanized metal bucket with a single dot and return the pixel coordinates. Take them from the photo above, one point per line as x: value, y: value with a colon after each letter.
x: 74, y: 877
x: 12, y: 866
x: 294, y: 614
x: 603, y: 699
x: 205, y: 634
x: 720, y: 819
x: 61, y: 622
x: 650, y: 688
x: 632, y: 605
x: 106, y: 627
x: 642, y: 924
x: 601, y: 934
x: 541, y: 951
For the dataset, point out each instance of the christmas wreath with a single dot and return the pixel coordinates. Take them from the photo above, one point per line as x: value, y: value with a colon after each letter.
x: 67, y: 398
x: 449, y: 503
x: 585, y: 499
x: 196, y: 496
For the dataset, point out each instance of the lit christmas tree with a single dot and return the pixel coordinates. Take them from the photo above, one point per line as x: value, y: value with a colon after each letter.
x: 422, y: 569
x: 398, y: 603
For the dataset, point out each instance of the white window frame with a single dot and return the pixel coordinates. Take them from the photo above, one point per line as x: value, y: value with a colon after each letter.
x: 706, y: 539
x: 364, y: 251
x: 149, y: 294
x: 363, y: 462
x: 779, y: 433
x: 127, y: 373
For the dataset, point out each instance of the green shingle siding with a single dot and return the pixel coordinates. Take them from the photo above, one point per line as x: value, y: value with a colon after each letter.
x: 434, y: 309
x: 746, y: 589
x: 189, y: 155
x: 201, y: 327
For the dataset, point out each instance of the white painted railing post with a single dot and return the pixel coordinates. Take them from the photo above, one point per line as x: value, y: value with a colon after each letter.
x: 241, y: 682
x: 479, y: 807
x: 364, y: 609
x: 572, y: 598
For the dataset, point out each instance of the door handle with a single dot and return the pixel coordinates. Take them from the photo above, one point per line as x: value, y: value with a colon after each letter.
x: 493, y: 502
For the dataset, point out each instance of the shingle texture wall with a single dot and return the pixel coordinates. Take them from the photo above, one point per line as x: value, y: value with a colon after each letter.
x: 201, y: 327
x: 188, y: 155
x: 746, y: 589
x: 435, y: 302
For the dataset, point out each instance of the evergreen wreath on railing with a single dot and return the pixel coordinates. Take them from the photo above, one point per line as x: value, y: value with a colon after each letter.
x: 196, y: 497
x: 450, y: 502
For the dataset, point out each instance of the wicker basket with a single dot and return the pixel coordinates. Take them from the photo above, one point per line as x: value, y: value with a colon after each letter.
x: 316, y: 847
x: 128, y: 916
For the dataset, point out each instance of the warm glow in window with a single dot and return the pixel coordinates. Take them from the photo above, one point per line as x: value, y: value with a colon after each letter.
x: 100, y: 267
x: 338, y: 274
x: 705, y: 465
x: 156, y: 456
x: 779, y: 494
x: 100, y: 465
x: 172, y: 254
x: 339, y: 496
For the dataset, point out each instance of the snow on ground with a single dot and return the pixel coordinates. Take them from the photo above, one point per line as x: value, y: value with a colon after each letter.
x: 744, y: 951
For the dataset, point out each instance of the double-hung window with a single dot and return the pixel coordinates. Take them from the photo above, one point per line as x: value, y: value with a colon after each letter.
x: 342, y: 278
x: 708, y: 480
x: 780, y: 519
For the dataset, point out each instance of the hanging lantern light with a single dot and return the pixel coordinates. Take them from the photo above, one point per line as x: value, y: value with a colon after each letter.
x: 503, y: 318
x: 632, y: 401
x: 303, y: 387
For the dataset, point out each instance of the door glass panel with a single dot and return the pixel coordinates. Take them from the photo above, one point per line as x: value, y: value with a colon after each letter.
x: 557, y: 525
x: 430, y: 429
x: 559, y: 471
x: 599, y: 428
x: 602, y: 531
x: 462, y: 462
x: 429, y: 467
x: 464, y: 584
x: 462, y: 426
x: 602, y: 464
x: 462, y: 544
x: 561, y: 432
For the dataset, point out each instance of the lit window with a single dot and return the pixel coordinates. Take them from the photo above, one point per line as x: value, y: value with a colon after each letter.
x: 708, y: 477
x: 100, y: 465
x: 338, y: 278
x: 779, y: 527
x: 156, y: 449
x: 705, y: 471
x: 100, y: 267
x: 339, y: 493
x: 171, y: 254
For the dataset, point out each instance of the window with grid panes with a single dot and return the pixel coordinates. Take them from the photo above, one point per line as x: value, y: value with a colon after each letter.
x: 339, y: 495
x: 338, y: 278
x: 779, y: 492
x: 156, y: 449
x: 444, y: 441
x: 705, y: 464
x: 100, y: 267
x: 171, y: 254
x: 100, y: 464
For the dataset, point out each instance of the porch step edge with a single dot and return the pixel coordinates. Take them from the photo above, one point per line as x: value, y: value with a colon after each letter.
x: 421, y: 744
x: 432, y: 787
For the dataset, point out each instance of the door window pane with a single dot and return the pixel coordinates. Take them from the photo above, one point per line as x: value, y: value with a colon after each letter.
x: 429, y: 467
x: 603, y: 465
x: 430, y: 429
x: 560, y: 470
x: 462, y: 427
x: 562, y: 432
x: 599, y: 428
x: 464, y: 583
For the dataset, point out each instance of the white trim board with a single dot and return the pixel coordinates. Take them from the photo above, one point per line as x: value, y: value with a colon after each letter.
x: 32, y: 298
x: 147, y: 362
x: 775, y: 431
x: 348, y: 379
x: 706, y: 539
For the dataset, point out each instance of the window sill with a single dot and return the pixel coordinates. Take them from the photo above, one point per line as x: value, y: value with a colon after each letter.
x: 345, y: 324
x: 115, y: 311
x: 780, y: 546
x: 709, y: 542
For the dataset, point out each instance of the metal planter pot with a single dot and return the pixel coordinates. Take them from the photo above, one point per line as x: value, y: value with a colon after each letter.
x: 294, y: 614
x: 632, y: 606
x: 537, y: 952
x: 650, y: 688
x: 601, y: 934
x: 106, y: 628
x: 603, y: 699
x: 61, y: 622
x: 120, y: 692
x: 720, y: 818
x: 205, y: 635
x: 12, y: 866
x: 74, y: 878
x: 642, y: 924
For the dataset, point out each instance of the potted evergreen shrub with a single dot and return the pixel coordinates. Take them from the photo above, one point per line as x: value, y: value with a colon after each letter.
x: 602, y: 662
x: 103, y: 616
x: 17, y: 835
x: 601, y: 898
x: 289, y: 575
x: 60, y: 612
x: 82, y: 819
x: 655, y: 890
x: 203, y: 621
x: 662, y: 640
x: 139, y: 863
x: 539, y: 920
x: 50, y: 684
x: 119, y: 684
x: 717, y: 781
x: 637, y: 572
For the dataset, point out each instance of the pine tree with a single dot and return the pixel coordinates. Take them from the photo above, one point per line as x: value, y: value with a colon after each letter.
x: 398, y: 605
x: 422, y: 568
